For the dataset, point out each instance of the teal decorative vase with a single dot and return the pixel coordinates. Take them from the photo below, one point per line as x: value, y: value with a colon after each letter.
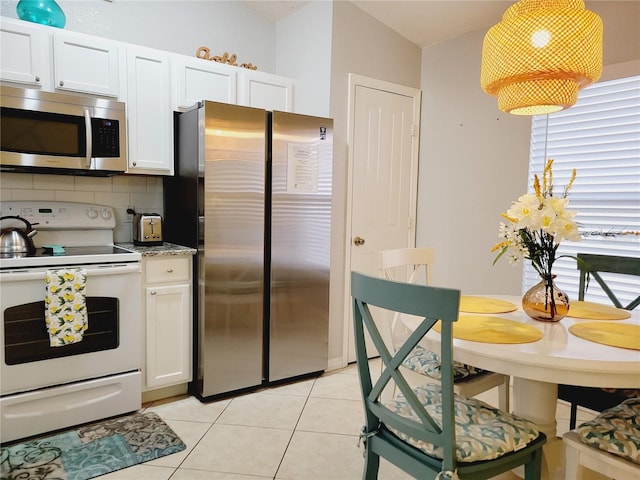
x: 45, y: 12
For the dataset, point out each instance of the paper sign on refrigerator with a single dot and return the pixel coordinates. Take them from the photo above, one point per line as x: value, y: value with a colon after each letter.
x: 302, y: 168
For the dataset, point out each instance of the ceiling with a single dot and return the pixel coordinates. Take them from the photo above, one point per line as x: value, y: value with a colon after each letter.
x: 427, y: 22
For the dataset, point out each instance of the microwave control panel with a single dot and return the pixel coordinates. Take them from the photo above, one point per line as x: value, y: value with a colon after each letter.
x: 106, y: 138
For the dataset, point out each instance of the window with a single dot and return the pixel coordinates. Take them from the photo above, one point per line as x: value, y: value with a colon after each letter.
x: 600, y: 138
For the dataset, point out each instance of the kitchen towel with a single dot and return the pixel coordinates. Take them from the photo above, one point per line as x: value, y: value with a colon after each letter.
x: 65, y: 312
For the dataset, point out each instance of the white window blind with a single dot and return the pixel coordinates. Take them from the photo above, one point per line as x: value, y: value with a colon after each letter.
x: 600, y: 138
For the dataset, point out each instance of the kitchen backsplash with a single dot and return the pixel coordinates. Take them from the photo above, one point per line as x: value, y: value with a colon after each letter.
x: 120, y: 191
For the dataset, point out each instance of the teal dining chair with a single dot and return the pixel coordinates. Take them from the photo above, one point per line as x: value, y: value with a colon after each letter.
x: 592, y: 266
x: 426, y: 430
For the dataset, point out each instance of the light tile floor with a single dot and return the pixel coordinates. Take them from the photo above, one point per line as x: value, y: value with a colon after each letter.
x: 302, y: 431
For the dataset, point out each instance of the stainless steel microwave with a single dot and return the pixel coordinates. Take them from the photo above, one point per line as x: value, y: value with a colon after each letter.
x: 44, y: 132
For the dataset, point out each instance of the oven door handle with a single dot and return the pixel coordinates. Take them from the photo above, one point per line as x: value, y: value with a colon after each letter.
x: 92, y: 271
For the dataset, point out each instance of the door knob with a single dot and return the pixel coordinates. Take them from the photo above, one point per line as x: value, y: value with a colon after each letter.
x: 358, y: 241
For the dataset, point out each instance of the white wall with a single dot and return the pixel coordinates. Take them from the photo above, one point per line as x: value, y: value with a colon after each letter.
x: 303, y: 43
x: 621, y: 26
x: 473, y: 164
x: 175, y: 26
x: 474, y: 158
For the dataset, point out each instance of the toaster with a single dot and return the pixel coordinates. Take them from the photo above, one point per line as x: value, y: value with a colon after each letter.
x: 147, y: 229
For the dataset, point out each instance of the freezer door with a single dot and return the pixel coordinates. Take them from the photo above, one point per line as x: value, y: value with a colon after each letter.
x: 231, y: 263
x: 302, y: 154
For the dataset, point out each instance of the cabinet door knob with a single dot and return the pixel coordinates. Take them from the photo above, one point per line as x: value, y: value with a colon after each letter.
x: 37, y: 79
x: 153, y: 292
x: 61, y: 83
x: 169, y: 270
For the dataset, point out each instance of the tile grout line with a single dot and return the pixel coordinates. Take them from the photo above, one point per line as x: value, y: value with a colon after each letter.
x: 293, y: 431
x: 211, y: 424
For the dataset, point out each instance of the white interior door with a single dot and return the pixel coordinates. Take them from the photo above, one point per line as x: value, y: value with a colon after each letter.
x: 383, y: 158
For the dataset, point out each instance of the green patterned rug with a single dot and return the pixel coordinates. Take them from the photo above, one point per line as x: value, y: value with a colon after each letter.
x: 91, y: 450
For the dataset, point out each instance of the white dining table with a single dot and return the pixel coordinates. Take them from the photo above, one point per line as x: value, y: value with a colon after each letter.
x: 538, y: 367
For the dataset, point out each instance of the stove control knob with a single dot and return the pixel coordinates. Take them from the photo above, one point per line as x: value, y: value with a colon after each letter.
x: 106, y: 215
x: 92, y: 213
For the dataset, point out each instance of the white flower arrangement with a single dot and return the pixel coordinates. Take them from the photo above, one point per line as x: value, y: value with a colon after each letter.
x: 537, y: 223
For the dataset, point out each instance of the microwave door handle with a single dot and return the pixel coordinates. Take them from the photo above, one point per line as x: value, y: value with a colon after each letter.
x: 89, y: 138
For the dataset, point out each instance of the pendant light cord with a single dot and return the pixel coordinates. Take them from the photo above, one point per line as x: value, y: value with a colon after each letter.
x: 546, y: 137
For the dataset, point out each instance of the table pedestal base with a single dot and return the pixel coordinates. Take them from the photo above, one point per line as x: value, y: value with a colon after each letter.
x: 537, y: 401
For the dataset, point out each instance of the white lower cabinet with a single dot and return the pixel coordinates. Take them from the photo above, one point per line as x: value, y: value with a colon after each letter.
x: 168, y: 320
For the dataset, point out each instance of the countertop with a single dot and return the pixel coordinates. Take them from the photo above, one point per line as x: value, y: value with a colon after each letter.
x: 159, y: 250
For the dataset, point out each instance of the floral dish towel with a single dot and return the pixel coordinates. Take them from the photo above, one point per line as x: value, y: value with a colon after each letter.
x: 65, y: 305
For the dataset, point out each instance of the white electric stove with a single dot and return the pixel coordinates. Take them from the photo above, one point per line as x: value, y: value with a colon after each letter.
x: 45, y: 388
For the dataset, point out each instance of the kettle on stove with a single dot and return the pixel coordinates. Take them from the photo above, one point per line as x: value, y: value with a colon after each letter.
x: 17, y: 241
x: 147, y: 228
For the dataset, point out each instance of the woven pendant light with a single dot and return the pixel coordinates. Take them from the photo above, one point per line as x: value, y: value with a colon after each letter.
x: 541, y: 53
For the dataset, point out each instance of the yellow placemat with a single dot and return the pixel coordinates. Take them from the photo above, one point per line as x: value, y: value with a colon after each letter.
x: 486, y: 329
x: 596, y: 311
x: 621, y: 335
x: 471, y: 304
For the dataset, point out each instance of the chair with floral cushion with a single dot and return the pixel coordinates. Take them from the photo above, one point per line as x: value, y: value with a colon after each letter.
x: 609, y: 444
x: 591, y: 266
x: 414, y: 264
x: 427, y: 431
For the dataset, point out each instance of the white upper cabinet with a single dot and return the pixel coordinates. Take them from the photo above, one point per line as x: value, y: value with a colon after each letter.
x: 196, y: 79
x: 149, y: 112
x: 25, y: 51
x: 152, y: 83
x: 86, y: 64
x: 264, y: 90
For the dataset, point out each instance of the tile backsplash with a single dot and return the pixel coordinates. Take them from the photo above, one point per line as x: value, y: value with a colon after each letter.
x: 144, y: 193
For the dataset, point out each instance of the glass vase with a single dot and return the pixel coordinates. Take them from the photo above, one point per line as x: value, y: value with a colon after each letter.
x: 45, y: 12
x: 546, y: 302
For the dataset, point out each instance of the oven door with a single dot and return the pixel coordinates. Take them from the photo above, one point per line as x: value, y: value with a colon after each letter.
x: 112, y: 343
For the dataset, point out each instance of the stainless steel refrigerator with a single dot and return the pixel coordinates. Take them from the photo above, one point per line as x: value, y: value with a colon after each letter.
x: 252, y: 192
